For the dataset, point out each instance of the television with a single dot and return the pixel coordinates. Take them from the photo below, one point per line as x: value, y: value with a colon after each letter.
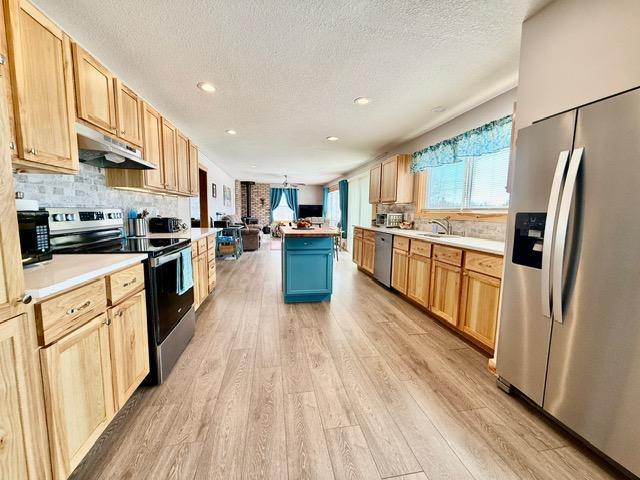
x: 306, y: 211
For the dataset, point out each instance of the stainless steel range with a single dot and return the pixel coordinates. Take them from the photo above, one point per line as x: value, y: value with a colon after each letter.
x: 170, y: 312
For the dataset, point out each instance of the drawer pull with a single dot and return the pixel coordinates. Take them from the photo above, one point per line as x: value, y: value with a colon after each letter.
x: 73, y: 310
x: 130, y: 282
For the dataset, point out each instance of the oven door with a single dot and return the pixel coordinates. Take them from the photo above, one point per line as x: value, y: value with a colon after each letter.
x: 169, y: 306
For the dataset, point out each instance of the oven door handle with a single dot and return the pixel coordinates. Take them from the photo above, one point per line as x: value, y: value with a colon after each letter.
x: 156, y: 262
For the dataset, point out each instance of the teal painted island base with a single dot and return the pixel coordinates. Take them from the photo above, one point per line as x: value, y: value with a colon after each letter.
x: 307, y: 264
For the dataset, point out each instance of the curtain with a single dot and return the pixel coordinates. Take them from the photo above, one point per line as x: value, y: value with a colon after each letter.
x: 276, y: 196
x: 325, y: 201
x: 291, y: 196
x: 343, y: 188
x: 489, y: 138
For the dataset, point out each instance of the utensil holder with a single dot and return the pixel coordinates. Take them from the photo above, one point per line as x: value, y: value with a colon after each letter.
x: 138, y: 227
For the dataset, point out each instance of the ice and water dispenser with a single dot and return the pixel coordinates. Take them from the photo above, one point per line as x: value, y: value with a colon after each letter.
x: 528, y: 238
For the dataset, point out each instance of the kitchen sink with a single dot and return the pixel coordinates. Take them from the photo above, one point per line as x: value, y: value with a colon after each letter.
x: 438, y: 235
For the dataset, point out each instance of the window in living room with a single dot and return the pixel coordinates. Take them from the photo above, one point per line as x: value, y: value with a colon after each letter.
x: 333, y: 212
x: 282, y: 212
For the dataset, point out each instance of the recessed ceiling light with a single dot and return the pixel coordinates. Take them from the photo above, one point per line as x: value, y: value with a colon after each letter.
x: 361, y: 101
x: 438, y: 109
x: 231, y: 132
x: 206, y: 87
x: 332, y: 139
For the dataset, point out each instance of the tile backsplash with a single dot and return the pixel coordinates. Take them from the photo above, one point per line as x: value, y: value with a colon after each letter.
x: 468, y: 228
x: 88, y: 189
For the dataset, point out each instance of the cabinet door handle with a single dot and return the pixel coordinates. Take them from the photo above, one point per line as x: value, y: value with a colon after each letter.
x: 130, y: 282
x: 122, y: 132
x: 74, y: 310
x: 107, y: 321
x: 12, y: 146
x: 26, y: 299
x: 33, y: 151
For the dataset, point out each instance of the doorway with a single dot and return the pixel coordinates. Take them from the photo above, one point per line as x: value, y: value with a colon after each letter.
x: 204, y: 196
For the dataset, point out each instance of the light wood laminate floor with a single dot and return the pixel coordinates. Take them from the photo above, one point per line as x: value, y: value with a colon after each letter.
x: 363, y: 387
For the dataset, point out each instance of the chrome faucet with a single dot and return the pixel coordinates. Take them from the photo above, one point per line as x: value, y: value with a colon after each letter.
x: 444, y: 223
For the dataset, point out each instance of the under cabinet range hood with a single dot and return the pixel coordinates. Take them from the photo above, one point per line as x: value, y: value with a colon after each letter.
x: 100, y: 150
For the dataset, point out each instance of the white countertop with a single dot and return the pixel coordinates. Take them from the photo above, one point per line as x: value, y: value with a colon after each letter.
x: 68, y: 271
x: 470, y: 243
x: 193, y: 234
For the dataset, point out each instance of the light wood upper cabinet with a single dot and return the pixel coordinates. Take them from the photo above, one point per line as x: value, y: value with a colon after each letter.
x: 479, y: 307
x: 419, y: 279
x: 399, y: 270
x: 182, y: 163
x: 95, y: 92
x: 152, y: 128
x: 389, y: 181
x: 23, y: 447
x: 392, y: 181
x: 169, y: 152
x: 129, y: 114
x: 129, y: 346
x: 375, y: 176
x: 444, y: 296
x: 194, y: 177
x: 78, y: 393
x: 42, y: 90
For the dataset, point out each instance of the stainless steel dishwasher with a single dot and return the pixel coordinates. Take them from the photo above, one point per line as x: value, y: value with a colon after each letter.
x: 384, y: 252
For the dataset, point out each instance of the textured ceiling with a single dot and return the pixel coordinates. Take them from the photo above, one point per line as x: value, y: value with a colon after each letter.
x: 287, y: 71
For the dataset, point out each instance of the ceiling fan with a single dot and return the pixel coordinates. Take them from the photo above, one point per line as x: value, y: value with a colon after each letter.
x: 286, y: 184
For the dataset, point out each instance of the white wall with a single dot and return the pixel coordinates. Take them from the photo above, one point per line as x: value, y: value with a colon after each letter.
x: 574, y: 52
x: 218, y: 176
x: 310, y: 195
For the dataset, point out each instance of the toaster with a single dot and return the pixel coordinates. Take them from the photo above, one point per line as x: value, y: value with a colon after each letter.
x: 164, y: 224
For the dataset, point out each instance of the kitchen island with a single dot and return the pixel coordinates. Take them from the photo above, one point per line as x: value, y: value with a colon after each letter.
x: 307, y: 263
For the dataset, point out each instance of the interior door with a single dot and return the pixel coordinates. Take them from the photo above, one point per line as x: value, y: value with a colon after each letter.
x: 593, y: 379
x: 525, y: 332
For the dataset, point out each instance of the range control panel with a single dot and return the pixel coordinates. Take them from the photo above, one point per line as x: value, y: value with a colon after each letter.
x: 69, y: 219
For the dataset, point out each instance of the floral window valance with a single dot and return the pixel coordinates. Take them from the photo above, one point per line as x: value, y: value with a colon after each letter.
x: 489, y: 138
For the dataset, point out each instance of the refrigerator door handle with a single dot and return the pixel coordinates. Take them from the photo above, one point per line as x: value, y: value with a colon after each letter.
x: 561, y: 233
x: 549, y: 231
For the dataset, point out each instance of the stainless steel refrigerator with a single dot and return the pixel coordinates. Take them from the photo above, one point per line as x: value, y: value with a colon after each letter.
x: 570, y: 319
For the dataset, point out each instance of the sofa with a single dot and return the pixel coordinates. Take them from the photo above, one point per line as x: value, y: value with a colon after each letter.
x: 251, y: 237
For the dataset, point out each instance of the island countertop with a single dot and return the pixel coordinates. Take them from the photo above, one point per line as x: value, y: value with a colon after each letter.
x: 311, y: 232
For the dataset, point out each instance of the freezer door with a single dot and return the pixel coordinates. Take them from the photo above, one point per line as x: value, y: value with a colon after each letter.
x: 523, y: 341
x: 593, y: 379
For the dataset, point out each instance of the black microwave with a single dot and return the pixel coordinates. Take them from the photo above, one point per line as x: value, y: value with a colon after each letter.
x: 33, y: 226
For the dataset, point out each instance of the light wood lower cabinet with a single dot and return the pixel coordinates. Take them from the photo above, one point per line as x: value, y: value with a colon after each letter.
x: 399, y: 270
x: 368, y: 255
x: 444, y: 298
x: 129, y: 346
x: 204, y: 269
x: 419, y: 279
x: 479, y: 306
x: 23, y: 447
x: 77, y: 379
x: 357, y: 251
